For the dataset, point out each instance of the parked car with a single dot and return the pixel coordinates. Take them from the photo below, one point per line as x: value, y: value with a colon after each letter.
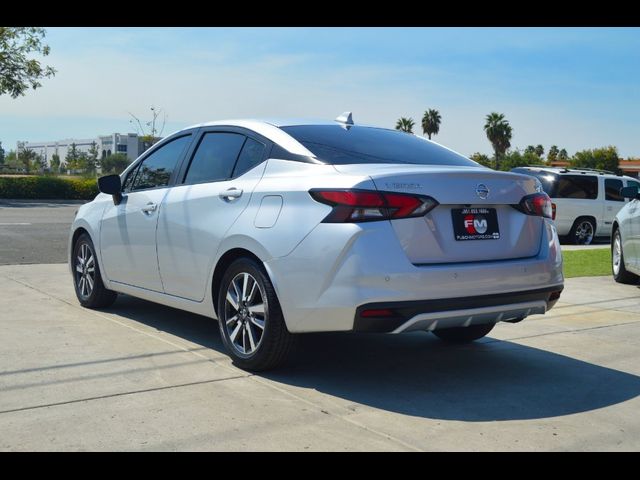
x: 625, y: 240
x: 585, y: 201
x: 277, y: 228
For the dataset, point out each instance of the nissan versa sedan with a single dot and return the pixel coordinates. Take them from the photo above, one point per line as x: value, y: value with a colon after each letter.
x: 625, y: 239
x: 276, y: 228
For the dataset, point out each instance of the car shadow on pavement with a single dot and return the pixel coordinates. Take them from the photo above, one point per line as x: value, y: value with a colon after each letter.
x: 417, y: 374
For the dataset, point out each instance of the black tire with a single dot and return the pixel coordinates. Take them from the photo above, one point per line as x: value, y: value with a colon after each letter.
x: 623, y: 276
x: 263, y: 349
x: 464, y: 334
x: 578, y: 235
x: 91, y: 293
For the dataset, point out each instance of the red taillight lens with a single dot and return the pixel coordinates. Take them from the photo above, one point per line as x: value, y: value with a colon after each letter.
x: 538, y: 204
x: 553, y: 211
x: 366, y: 205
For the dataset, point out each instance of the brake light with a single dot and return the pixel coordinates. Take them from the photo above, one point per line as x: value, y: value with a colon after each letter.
x: 368, y: 205
x: 538, y: 204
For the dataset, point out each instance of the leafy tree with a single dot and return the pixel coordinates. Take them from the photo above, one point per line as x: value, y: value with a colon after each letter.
x: 405, y: 124
x: 482, y: 159
x: 27, y: 159
x: 1, y: 154
x: 499, y: 133
x: 530, y: 149
x: 92, y: 160
x: 539, y: 151
x: 72, y: 159
x: 18, y: 70
x: 55, y: 163
x: 553, y: 153
x: 605, y: 158
x: 115, y: 163
x: 431, y: 122
x: 11, y: 160
x: 563, y: 156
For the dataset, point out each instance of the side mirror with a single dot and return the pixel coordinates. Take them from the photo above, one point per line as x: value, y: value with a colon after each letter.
x: 629, y: 192
x: 111, y: 185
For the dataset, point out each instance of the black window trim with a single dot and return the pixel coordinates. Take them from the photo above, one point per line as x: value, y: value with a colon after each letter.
x: 181, y: 178
x: 133, y: 168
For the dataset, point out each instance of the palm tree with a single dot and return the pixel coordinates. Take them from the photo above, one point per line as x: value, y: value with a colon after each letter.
x: 431, y: 122
x: 405, y: 124
x: 553, y: 153
x: 499, y: 133
x: 540, y: 150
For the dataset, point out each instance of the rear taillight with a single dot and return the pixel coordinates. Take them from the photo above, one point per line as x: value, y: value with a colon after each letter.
x: 538, y: 204
x: 368, y: 205
x: 553, y: 211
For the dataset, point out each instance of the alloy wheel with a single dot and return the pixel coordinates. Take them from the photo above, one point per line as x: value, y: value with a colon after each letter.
x: 616, y: 254
x: 584, y: 233
x: 85, y: 270
x: 245, y: 314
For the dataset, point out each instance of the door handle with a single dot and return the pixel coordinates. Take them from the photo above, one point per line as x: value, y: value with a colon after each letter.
x: 149, y: 208
x: 231, y: 194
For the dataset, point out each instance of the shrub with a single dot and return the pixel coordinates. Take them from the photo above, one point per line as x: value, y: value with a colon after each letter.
x: 50, y: 188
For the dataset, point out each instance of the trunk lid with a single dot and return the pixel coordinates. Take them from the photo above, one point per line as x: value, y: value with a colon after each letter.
x: 432, y: 239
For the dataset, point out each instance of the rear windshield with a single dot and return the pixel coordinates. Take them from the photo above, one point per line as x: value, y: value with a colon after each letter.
x: 339, y: 145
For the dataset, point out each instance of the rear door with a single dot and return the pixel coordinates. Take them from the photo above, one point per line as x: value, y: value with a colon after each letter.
x: 613, y: 202
x: 215, y: 186
x: 631, y: 247
x: 577, y: 196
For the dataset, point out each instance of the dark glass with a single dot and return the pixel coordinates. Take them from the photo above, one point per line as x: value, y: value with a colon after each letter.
x: 336, y: 144
x: 547, y: 179
x: 577, y: 186
x: 157, y: 168
x: 251, y: 155
x: 215, y: 157
x: 612, y: 188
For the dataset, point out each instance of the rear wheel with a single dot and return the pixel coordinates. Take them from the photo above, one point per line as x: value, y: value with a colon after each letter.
x: 620, y: 273
x: 583, y: 231
x: 87, y: 280
x: 464, y: 334
x: 251, y: 322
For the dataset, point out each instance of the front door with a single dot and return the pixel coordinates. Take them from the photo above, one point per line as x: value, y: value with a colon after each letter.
x: 613, y: 202
x: 195, y: 216
x: 128, y: 230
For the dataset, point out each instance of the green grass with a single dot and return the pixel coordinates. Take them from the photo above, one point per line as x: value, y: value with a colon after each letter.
x: 587, y: 263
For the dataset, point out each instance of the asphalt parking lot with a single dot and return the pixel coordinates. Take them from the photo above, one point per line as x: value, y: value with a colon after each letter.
x: 141, y: 376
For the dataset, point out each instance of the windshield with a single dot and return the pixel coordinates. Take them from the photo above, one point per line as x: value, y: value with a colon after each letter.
x: 339, y: 145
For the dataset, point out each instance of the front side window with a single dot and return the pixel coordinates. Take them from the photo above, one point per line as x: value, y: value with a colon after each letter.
x: 215, y: 157
x: 577, y: 186
x: 156, y: 169
x: 612, y: 188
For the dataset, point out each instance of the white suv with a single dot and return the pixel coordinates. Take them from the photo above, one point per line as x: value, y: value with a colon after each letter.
x: 585, y: 201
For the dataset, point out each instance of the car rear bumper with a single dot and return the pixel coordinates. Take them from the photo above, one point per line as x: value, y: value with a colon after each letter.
x: 397, y: 317
x: 339, y: 268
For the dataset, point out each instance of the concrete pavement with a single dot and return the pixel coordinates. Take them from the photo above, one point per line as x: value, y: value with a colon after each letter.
x: 145, y: 377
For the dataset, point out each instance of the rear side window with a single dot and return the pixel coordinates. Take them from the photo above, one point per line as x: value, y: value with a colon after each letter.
x: 251, y: 155
x: 577, y: 186
x: 338, y: 145
x: 215, y: 157
x: 156, y: 169
x: 612, y: 188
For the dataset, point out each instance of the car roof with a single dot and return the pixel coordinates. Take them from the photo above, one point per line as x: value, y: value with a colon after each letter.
x: 570, y: 171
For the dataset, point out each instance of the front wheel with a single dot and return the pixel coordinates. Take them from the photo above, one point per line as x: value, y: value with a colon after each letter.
x: 620, y: 273
x: 464, y: 334
x: 251, y: 322
x: 87, y: 280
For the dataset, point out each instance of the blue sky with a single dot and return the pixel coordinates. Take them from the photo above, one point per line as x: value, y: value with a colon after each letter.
x: 573, y: 87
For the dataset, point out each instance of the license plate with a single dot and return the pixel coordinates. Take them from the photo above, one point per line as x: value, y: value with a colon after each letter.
x: 475, y: 223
